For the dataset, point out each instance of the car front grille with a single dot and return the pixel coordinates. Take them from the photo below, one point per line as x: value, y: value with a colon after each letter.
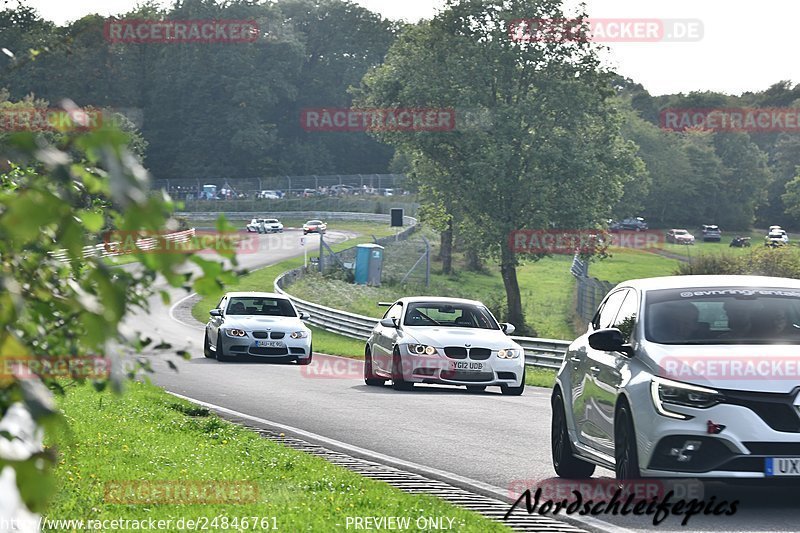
x: 775, y: 409
x: 277, y: 335
x: 458, y: 375
x: 772, y: 449
x: 455, y: 352
x: 268, y: 351
x: 459, y: 352
x: 261, y: 334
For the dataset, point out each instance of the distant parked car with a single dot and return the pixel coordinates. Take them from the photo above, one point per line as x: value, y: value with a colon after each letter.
x: 269, y: 195
x: 776, y: 237
x: 633, y: 223
x: 680, y: 236
x: 314, y: 226
x: 711, y: 233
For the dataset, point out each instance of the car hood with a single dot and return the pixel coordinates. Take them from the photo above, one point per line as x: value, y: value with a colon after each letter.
x: 750, y: 367
x: 452, y: 336
x: 255, y: 322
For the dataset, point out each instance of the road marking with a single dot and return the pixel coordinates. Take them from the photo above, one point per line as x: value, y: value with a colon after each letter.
x: 497, y: 492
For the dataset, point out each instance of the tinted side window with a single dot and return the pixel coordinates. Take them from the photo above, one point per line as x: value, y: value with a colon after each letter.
x: 610, y: 309
x: 626, y: 317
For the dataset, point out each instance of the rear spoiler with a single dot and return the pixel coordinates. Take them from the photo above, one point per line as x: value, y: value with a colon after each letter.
x: 385, y: 304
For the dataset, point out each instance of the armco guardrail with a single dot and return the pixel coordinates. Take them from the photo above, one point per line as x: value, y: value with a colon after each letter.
x: 308, y: 215
x: 109, y: 249
x: 543, y: 353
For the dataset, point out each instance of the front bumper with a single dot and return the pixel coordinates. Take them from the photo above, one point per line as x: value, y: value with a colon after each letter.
x: 752, y: 434
x: 292, y: 349
x: 441, y: 369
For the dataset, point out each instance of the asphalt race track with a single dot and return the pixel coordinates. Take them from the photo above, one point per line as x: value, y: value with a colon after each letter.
x: 500, y: 441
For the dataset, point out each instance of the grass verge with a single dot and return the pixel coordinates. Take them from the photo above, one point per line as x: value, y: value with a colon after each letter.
x: 148, y: 435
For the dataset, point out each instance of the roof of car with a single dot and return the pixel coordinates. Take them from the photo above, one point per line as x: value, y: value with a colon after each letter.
x: 256, y: 294
x: 681, y: 282
x: 438, y: 299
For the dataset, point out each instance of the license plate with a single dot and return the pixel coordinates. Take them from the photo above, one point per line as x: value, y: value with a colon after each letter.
x: 269, y: 344
x: 469, y: 366
x: 782, y: 466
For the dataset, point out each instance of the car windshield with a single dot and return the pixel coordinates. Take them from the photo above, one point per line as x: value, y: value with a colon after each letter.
x: 271, y: 221
x: 452, y: 315
x: 254, y: 305
x: 314, y: 222
x: 681, y: 232
x: 723, y: 315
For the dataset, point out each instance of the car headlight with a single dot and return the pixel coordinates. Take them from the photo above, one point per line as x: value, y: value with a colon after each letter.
x: 666, y: 392
x: 422, y: 349
x: 508, y: 353
x: 299, y: 334
x: 235, y: 333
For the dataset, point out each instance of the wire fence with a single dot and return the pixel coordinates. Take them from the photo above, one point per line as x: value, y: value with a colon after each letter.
x: 284, y: 187
x: 590, y: 291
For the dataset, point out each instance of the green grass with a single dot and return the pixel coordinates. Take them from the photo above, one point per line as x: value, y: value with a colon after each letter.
x: 540, y: 377
x: 335, y: 344
x: 627, y: 264
x: 148, y: 435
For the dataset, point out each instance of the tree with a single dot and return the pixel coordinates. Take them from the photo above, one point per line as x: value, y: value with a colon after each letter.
x: 552, y: 154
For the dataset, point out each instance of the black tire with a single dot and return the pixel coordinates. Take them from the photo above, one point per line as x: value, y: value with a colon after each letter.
x: 305, y: 362
x: 398, y: 383
x: 514, y: 391
x: 476, y: 388
x: 626, y: 455
x: 565, y: 463
x: 369, y: 376
x: 207, y: 347
x: 221, y: 357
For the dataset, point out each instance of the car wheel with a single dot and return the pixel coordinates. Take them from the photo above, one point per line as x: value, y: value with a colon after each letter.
x: 398, y: 383
x: 369, y: 376
x: 565, y: 463
x: 207, y: 347
x: 625, y: 452
x: 476, y: 388
x: 514, y: 391
x: 304, y: 362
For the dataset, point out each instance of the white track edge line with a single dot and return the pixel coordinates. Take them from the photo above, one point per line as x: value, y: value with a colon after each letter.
x: 497, y: 492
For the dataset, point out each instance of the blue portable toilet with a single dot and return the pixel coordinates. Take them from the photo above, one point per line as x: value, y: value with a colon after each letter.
x: 369, y: 263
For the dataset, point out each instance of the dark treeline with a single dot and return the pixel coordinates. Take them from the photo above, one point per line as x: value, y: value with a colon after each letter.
x: 233, y: 110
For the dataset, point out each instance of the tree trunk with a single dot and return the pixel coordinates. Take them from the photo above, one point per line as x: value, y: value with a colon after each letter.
x: 474, y: 263
x: 508, y: 270
x: 446, y: 249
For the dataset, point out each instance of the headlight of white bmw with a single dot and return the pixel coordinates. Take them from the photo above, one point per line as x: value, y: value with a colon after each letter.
x: 299, y: 334
x: 509, y: 353
x: 666, y: 392
x: 235, y: 332
x: 422, y: 349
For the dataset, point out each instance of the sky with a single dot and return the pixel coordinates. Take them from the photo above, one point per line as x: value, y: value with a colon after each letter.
x: 745, y: 45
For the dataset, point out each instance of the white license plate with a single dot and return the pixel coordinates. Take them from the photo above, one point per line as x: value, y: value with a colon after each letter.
x: 782, y: 466
x: 467, y: 366
x: 269, y: 344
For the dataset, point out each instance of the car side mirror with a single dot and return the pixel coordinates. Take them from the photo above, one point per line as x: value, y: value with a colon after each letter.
x: 390, y: 323
x: 304, y: 315
x: 610, y: 340
x: 215, y: 312
x: 507, y: 328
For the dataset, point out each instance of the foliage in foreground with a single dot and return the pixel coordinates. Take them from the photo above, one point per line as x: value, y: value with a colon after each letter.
x: 61, y: 191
